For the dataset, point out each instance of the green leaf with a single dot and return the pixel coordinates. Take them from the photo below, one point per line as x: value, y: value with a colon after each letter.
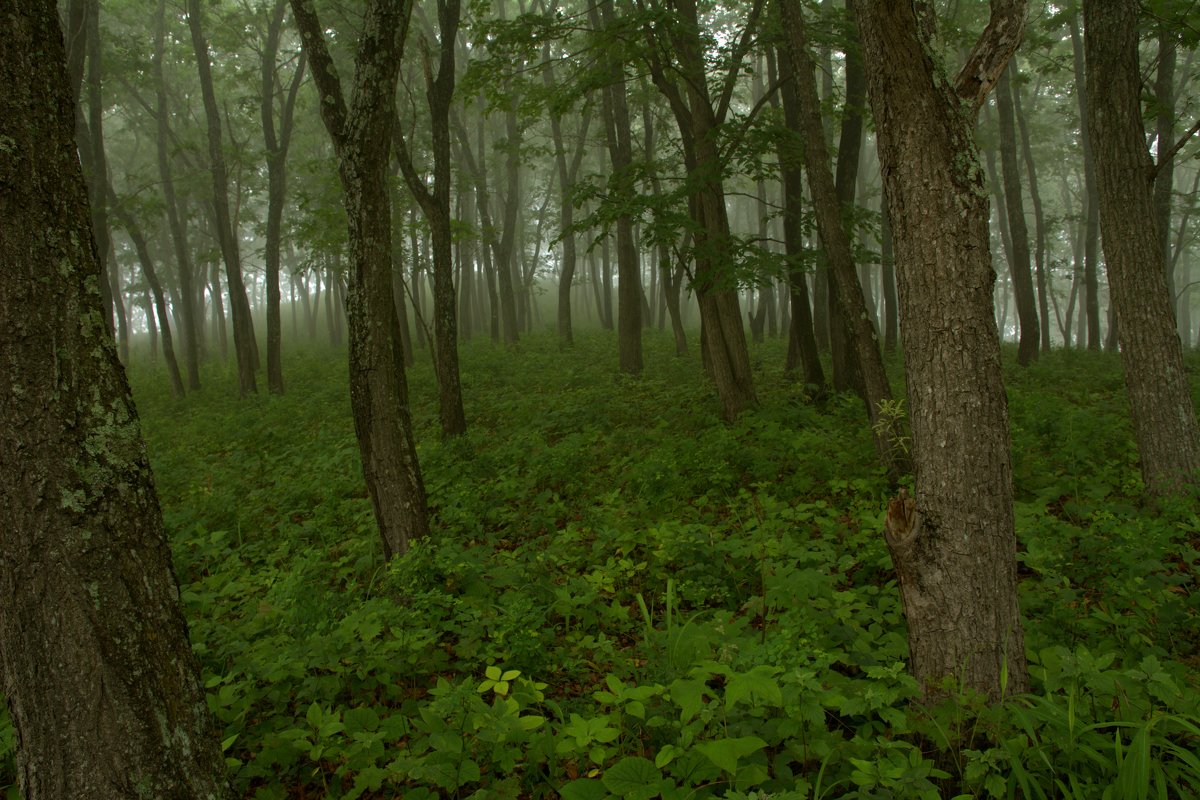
x: 725, y: 753
x: 757, y: 684
x: 631, y: 776
x: 689, y: 696
x: 583, y: 789
x: 361, y: 720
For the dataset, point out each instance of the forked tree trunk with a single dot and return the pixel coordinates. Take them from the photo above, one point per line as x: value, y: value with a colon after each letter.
x: 361, y: 136
x: 1164, y: 417
x: 100, y: 680
x: 954, y: 543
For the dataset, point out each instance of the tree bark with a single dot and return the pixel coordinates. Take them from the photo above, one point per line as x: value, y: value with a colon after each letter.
x: 1039, y: 217
x: 1164, y: 417
x: 101, y: 682
x: 361, y: 137
x: 953, y: 544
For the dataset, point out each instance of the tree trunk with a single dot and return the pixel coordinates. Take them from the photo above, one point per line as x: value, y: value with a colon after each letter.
x: 239, y: 306
x: 1039, y: 217
x: 954, y: 543
x: 1018, y: 262
x: 802, y: 351
x: 615, y: 113
x: 361, y: 136
x: 1091, y: 255
x: 277, y: 150
x: 828, y: 209
x: 160, y: 304
x: 190, y: 329
x: 101, y: 682
x: 723, y: 338
x: 1164, y: 417
x: 435, y: 205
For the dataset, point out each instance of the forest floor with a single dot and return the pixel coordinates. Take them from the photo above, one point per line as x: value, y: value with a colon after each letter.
x: 625, y: 597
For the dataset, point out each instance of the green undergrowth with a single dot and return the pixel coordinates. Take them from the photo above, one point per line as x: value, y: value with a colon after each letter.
x: 624, y: 597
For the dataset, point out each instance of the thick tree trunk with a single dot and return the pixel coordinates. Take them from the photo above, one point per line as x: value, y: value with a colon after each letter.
x: 891, y: 322
x: 101, y: 682
x: 1018, y: 261
x: 361, y: 136
x: 954, y: 543
x: 1164, y: 418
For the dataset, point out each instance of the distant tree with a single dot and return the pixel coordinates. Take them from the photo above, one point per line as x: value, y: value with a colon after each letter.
x: 1018, y: 256
x: 830, y: 215
x: 435, y: 205
x: 277, y: 140
x: 361, y: 135
x: 100, y: 679
x: 953, y: 544
x: 1164, y: 417
x: 245, y: 345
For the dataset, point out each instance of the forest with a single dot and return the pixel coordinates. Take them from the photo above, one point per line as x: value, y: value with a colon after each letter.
x: 605, y: 400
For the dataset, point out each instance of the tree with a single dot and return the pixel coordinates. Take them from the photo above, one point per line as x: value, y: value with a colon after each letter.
x: 97, y: 670
x: 675, y: 52
x: 1164, y: 418
x: 615, y: 113
x: 1018, y: 261
x: 827, y: 202
x: 276, y: 143
x: 239, y: 305
x: 953, y: 544
x: 435, y: 205
x: 361, y: 135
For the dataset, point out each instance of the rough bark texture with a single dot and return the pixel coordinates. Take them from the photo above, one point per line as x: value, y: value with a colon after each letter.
x: 954, y: 547
x: 99, y: 677
x: 827, y: 207
x: 361, y: 137
x: 1018, y: 255
x: 239, y: 305
x: 1164, y: 418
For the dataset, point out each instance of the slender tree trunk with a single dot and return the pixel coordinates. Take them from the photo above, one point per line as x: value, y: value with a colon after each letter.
x: 239, y: 306
x: 1022, y: 277
x: 160, y: 303
x: 1091, y: 242
x: 361, y: 136
x: 954, y: 543
x: 277, y: 150
x: 1164, y: 417
x: 615, y: 112
x: 836, y: 240
x: 101, y: 683
x: 183, y: 261
x: 1039, y: 217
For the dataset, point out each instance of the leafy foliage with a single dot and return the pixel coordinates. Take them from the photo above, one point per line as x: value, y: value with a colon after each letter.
x: 626, y: 598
